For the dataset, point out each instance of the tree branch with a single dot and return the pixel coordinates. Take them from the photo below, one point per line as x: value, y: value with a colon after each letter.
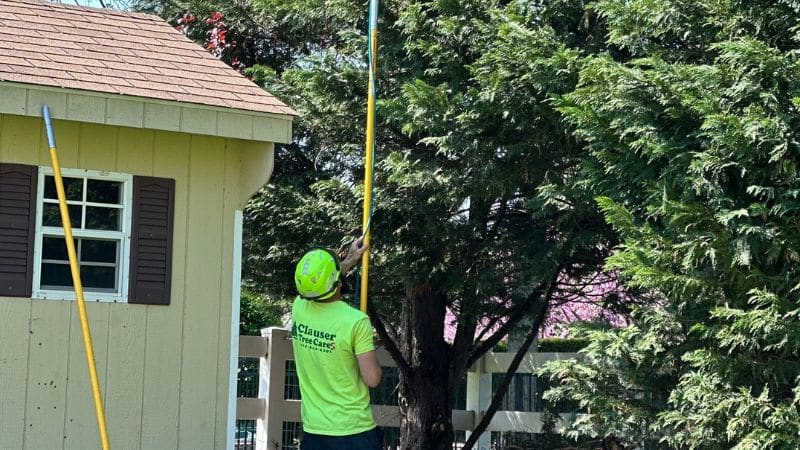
x: 460, y: 349
x: 515, y: 317
x: 389, y: 343
x: 496, y: 315
x: 498, y: 217
x: 391, y: 330
x: 486, y: 345
x: 502, y: 389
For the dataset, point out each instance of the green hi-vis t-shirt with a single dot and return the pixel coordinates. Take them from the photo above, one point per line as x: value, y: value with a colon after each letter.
x: 326, y: 337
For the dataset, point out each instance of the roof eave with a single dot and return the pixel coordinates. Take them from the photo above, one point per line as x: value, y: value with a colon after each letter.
x: 142, y: 112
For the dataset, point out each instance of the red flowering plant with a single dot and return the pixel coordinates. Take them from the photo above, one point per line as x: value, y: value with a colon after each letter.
x: 184, y: 23
x: 219, y: 43
x: 230, y: 33
x: 215, y: 34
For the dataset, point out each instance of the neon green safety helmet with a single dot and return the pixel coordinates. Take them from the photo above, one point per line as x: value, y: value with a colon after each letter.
x: 317, y: 274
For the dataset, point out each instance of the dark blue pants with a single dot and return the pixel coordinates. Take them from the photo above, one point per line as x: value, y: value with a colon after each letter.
x: 368, y: 440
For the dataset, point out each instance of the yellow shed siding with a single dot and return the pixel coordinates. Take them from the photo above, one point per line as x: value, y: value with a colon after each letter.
x: 163, y: 369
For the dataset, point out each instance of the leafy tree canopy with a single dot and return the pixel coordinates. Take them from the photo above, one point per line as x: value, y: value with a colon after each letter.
x: 500, y: 124
x: 694, y: 156
x: 479, y: 205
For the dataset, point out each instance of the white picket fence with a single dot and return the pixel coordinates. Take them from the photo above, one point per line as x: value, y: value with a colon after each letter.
x: 278, y: 418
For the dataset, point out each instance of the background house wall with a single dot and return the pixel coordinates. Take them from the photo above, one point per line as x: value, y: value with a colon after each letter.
x: 164, y: 370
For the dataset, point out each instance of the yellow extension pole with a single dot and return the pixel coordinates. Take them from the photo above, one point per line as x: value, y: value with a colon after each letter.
x: 76, y: 281
x: 370, y: 144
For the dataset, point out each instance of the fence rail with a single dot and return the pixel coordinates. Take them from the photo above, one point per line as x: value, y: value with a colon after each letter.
x: 273, y: 410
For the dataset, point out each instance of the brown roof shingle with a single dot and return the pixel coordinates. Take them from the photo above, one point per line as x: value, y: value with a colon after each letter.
x: 118, y: 52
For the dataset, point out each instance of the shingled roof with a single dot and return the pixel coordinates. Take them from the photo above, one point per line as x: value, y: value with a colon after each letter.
x: 116, y: 52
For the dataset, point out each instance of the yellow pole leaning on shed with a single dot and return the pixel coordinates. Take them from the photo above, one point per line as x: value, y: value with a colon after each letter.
x: 76, y: 281
x: 370, y: 147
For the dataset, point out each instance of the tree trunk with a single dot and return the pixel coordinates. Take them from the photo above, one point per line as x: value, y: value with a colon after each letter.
x: 429, y: 368
x: 427, y: 423
x: 425, y: 398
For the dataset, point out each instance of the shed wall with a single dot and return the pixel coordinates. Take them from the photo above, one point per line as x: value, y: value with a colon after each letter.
x: 163, y: 369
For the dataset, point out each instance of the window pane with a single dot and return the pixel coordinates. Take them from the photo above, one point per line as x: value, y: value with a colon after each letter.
x: 55, y: 248
x: 98, y: 277
x: 100, y: 191
x: 51, y: 215
x: 98, y: 251
x: 98, y: 218
x: 92, y: 277
x: 56, y: 275
x: 73, y: 187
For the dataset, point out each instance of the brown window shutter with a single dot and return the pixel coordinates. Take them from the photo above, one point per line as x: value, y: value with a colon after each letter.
x: 17, y: 228
x: 151, y: 240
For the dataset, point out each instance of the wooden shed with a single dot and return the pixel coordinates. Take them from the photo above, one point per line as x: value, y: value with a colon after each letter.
x: 161, y: 145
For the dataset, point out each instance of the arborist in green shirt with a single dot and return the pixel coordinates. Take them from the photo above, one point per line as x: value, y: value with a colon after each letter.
x: 334, y: 354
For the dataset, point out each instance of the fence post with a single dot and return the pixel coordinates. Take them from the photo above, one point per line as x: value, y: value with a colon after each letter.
x: 479, y: 397
x: 270, y: 387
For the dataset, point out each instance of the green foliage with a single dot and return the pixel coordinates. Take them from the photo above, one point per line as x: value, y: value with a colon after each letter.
x: 623, y: 379
x: 475, y: 178
x: 477, y: 191
x: 561, y: 345
x: 694, y: 163
x: 256, y: 313
x: 470, y: 152
x: 503, y: 128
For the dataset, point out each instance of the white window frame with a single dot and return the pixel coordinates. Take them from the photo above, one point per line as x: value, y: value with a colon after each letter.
x: 123, y: 236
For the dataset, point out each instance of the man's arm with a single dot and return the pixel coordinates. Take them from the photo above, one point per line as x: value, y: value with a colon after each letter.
x: 369, y: 368
x: 357, y: 248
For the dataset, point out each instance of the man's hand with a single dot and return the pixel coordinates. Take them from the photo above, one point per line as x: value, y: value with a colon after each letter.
x: 357, y: 248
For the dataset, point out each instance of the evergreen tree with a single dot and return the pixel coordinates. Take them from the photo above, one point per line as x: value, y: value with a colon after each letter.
x: 477, y: 210
x: 694, y: 148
